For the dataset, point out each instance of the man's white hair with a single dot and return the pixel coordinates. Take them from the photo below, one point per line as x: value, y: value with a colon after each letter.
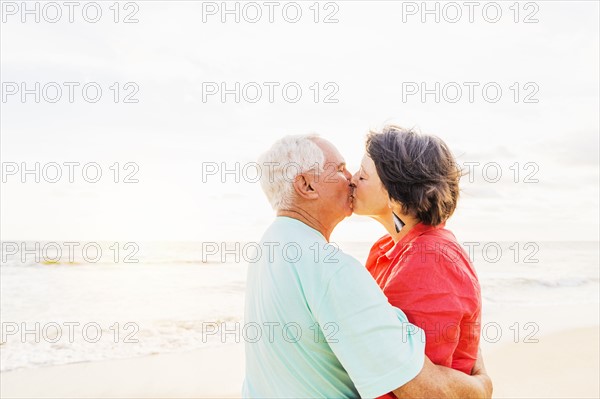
x: 286, y: 159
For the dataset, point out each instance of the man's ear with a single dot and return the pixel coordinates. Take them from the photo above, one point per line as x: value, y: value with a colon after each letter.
x: 304, y: 186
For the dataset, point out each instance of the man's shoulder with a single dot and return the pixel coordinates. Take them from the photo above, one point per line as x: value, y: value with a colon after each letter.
x: 311, y: 245
x: 348, y: 271
x: 329, y: 258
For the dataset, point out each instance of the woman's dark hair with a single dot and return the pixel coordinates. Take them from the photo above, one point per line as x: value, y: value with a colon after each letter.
x: 418, y: 171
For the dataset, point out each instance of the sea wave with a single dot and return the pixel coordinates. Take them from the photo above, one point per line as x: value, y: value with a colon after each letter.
x: 524, y: 282
x: 54, y: 346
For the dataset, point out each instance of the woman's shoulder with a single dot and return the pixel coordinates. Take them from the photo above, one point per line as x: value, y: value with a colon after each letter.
x: 439, y: 248
x: 441, y: 241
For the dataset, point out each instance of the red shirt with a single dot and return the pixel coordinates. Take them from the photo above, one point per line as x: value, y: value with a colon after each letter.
x: 430, y: 278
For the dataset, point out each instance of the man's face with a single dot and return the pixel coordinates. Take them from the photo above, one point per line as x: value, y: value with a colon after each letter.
x: 334, y: 185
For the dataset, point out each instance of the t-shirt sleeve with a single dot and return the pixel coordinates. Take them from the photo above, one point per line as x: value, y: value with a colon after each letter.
x: 376, y: 345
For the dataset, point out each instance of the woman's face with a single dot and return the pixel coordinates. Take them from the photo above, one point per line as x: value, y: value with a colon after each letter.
x: 370, y: 197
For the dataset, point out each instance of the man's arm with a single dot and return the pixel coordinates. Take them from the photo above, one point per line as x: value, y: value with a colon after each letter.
x: 443, y: 382
x: 376, y: 345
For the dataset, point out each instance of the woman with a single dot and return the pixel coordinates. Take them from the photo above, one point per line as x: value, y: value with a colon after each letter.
x: 409, y: 183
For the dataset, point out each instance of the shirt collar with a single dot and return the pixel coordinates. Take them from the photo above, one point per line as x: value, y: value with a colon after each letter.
x: 419, y: 229
x: 299, y: 223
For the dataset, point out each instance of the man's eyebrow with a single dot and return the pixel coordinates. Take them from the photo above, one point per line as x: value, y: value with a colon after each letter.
x: 341, y: 164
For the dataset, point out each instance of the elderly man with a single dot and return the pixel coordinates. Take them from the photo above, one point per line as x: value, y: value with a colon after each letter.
x: 325, y: 329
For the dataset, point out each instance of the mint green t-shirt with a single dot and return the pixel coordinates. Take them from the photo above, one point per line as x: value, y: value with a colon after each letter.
x: 317, y: 325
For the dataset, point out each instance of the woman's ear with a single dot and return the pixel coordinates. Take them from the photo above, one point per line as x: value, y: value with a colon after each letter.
x: 305, y: 187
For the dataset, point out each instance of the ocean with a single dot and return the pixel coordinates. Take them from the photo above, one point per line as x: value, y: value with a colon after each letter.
x: 59, y: 310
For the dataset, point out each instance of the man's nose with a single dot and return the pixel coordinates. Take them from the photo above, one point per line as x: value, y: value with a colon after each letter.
x: 348, y: 175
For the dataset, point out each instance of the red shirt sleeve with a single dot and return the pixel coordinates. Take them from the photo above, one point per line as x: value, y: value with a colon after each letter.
x: 438, y: 295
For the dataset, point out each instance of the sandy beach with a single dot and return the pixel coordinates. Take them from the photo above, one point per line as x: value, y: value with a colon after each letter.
x: 209, y: 373
x: 563, y: 363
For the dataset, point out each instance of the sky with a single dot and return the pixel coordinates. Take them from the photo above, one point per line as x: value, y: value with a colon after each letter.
x: 367, y: 63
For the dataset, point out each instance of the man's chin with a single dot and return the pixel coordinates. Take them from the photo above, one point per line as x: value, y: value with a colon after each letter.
x: 355, y: 208
x: 351, y: 205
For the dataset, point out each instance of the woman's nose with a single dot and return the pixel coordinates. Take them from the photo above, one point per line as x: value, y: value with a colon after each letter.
x: 354, y: 178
